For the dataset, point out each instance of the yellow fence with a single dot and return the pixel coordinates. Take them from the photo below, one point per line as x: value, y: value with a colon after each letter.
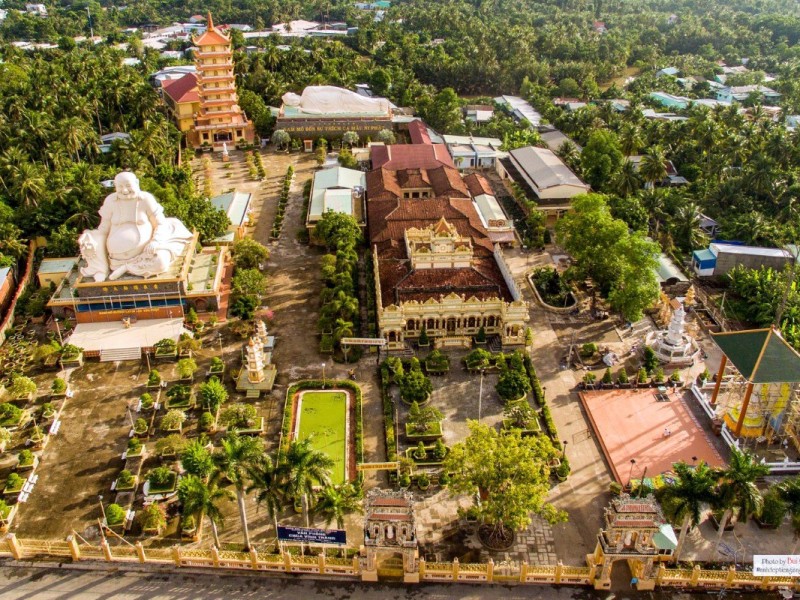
x: 490, y: 572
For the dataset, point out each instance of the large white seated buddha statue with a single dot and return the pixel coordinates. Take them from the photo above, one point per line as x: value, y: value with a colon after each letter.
x: 134, y: 237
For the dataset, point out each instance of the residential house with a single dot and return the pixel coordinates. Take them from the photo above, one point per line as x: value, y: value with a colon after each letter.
x: 236, y: 205
x: 52, y: 271
x: 672, y: 179
x: 39, y: 10
x: 478, y: 113
x: 107, y: 140
x: 473, y: 152
x: 410, y: 156
x: 670, y: 101
x: 555, y: 139
x: 720, y: 258
x: 599, y: 27
x: 668, y: 72
x: 520, y: 109
x: 339, y: 190
x: 182, y: 99
x: 743, y: 92
x: 544, y: 175
x: 499, y: 227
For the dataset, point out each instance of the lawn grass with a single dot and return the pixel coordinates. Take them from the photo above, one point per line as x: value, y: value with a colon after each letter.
x: 322, y: 418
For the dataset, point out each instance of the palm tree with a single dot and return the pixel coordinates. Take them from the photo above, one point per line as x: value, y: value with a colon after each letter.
x: 336, y: 502
x: 627, y: 181
x: 267, y: 479
x: 202, y: 499
x: 630, y: 139
x: 236, y: 456
x: 737, y: 488
x: 653, y: 167
x: 687, y: 226
x: 305, y: 468
x: 789, y: 492
x: 687, y: 496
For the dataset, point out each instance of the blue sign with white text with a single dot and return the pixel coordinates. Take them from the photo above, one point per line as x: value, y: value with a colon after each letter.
x: 312, y: 536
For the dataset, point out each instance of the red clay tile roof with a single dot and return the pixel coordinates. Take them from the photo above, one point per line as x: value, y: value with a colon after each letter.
x: 477, y: 185
x: 418, y: 132
x: 443, y: 181
x: 183, y: 89
x: 388, y: 221
x: 410, y: 156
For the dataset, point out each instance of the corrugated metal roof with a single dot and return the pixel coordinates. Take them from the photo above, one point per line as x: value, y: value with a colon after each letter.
x: 544, y: 168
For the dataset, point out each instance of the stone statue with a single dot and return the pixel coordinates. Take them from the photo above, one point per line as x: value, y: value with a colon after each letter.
x: 328, y: 99
x: 134, y: 237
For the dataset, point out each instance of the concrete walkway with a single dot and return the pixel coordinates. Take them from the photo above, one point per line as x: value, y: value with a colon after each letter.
x: 585, y: 493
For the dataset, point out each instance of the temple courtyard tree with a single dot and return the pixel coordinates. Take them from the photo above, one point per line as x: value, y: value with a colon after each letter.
x: 510, y: 474
x: 621, y: 263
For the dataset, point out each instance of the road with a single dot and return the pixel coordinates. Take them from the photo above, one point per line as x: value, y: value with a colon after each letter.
x: 51, y: 583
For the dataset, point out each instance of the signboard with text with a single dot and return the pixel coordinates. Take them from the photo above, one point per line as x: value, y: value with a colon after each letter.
x: 776, y: 565
x: 306, y: 535
x: 385, y: 466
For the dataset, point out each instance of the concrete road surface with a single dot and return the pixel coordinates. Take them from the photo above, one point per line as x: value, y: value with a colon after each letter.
x: 54, y: 583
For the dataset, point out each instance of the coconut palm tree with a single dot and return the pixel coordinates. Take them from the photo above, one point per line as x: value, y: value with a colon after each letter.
x: 737, y: 488
x: 653, y: 167
x: 234, y: 459
x: 789, y: 492
x: 687, y: 496
x: 334, y: 503
x: 201, y: 499
x: 305, y: 468
x: 626, y: 182
x: 267, y: 479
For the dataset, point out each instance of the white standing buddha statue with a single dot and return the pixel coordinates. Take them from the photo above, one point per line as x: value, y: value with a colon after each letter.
x: 134, y: 237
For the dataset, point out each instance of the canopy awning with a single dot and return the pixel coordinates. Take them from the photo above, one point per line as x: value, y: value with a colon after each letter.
x: 760, y: 355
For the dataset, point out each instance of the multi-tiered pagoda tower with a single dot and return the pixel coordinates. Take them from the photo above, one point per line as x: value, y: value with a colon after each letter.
x: 220, y: 120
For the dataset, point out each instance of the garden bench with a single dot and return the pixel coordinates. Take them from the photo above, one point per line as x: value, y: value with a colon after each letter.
x: 114, y: 485
x: 23, y: 497
x: 55, y: 427
x: 125, y: 455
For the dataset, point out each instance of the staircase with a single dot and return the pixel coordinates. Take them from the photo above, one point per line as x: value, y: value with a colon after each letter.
x: 120, y: 354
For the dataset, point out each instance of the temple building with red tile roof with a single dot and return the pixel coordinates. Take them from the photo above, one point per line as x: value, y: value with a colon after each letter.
x: 182, y: 100
x: 219, y: 120
x: 436, y: 265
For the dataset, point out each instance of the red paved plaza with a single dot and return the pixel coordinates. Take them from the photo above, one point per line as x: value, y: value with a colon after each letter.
x: 631, y: 423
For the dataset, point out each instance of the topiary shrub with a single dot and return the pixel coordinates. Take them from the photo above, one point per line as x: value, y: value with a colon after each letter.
x: 206, y: 422
x: 607, y: 379
x: 58, y: 387
x: 622, y: 377
x: 115, y: 515
x: 140, y: 426
x: 154, y: 378
x: 147, y: 401
x: 420, y: 453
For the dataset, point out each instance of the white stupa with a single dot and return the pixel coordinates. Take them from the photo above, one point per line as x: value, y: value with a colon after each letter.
x: 674, y: 346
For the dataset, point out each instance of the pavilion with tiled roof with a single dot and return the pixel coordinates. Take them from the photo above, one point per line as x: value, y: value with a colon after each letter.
x: 762, y: 357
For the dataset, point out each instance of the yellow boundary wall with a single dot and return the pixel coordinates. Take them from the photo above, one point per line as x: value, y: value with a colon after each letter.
x: 454, y: 572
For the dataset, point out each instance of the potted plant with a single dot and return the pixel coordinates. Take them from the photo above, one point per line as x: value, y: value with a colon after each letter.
x: 154, y: 379
x: 135, y: 447
x: 588, y: 350
x: 5, y: 437
x: 153, y: 519
x: 420, y: 453
x: 71, y: 355
x: 10, y: 415
x: 161, y: 480
x: 58, y: 387
x: 171, y: 446
x: 22, y: 388
x: 424, y: 341
x: 641, y: 377
x: 415, y: 386
x: 25, y: 460
x: 439, y: 450
x: 146, y: 401
x: 589, y: 379
x: 125, y: 481
x: 607, y: 379
x: 773, y: 511
x: 180, y: 396
x: 404, y: 481
x: 658, y: 375
x: 48, y: 411
x: 188, y: 526
x: 186, y: 368
x: 115, y: 516
x: 444, y: 478
x: 206, y: 422
x: 165, y: 349
x: 563, y: 470
x: 242, y: 418
x: 173, y: 420
x: 675, y: 378
x: 14, y: 484
x: 704, y: 377
x: 140, y: 426
x: 216, y: 368
x: 37, y: 437
x: 622, y: 378
x: 423, y: 481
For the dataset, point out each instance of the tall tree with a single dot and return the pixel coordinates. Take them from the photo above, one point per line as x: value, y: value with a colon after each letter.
x: 737, y: 488
x: 201, y: 499
x: 306, y: 468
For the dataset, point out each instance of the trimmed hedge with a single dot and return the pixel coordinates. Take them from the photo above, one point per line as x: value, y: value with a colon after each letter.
x: 388, y: 413
x: 284, y: 200
x: 538, y: 396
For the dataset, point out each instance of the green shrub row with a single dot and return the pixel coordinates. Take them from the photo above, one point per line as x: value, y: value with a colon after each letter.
x: 388, y: 414
x: 538, y: 396
x: 284, y: 200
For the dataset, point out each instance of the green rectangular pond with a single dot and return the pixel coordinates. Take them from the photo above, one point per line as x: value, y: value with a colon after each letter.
x: 322, y: 417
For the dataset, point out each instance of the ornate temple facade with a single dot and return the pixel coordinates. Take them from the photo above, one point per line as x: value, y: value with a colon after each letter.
x: 436, y: 267
x: 220, y: 120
